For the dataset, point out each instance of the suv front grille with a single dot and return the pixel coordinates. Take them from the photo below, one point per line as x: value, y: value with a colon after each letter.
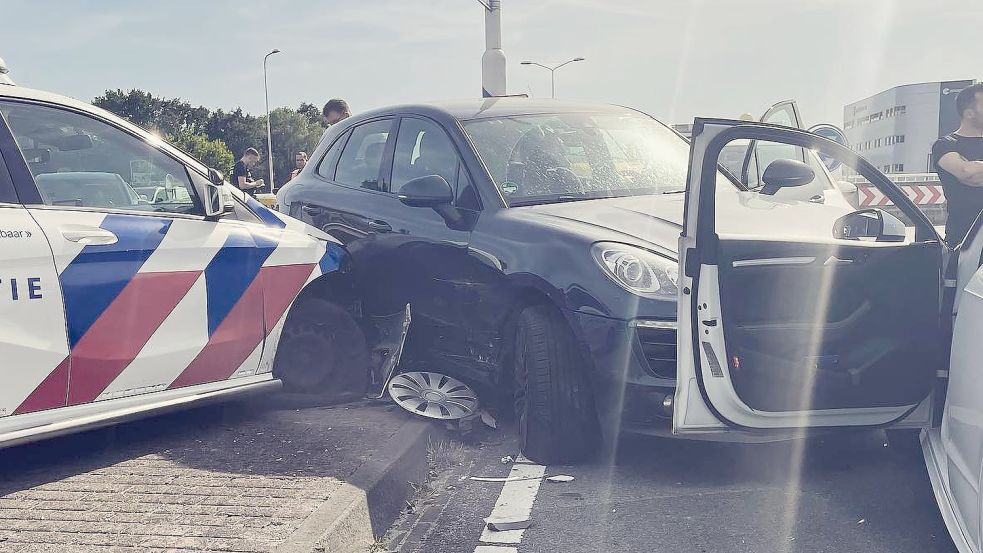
x: 658, y: 347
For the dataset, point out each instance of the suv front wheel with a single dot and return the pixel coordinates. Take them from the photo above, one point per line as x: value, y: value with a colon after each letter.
x: 553, y: 406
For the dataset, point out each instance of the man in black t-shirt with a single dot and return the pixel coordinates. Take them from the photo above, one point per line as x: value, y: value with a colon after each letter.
x: 957, y: 159
x: 242, y: 177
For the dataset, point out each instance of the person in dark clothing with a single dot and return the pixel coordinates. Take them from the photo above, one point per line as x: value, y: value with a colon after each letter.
x: 242, y: 177
x: 957, y: 159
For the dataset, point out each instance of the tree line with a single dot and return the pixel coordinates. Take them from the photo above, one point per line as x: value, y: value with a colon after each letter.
x: 219, y: 137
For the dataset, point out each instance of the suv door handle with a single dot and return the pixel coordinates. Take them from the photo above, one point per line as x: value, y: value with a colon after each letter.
x: 313, y: 210
x: 378, y: 226
x: 88, y: 236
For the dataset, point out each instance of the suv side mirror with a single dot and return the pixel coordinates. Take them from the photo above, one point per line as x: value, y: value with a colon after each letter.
x: 214, y: 195
x: 785, y: 173
x: 870, y: 224
x: 427, y: 191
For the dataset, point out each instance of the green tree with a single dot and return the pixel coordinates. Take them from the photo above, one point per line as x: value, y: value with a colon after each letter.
x: 166, y: 116
x: 213, y: 153
x: 292, y: 133
x: 311, y: 112
x: 211, y: 135
x: 238, y: 130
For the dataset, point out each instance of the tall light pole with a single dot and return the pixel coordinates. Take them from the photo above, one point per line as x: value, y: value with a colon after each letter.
x: 552, y: 71
x: 269, y: 129
x: 493, y: 60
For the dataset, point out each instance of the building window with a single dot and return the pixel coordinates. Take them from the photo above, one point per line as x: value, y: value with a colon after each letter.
x: 900, y: 139
x: 848, y: 125
x: 886, y: 169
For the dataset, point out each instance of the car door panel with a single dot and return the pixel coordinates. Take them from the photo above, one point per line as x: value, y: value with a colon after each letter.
x: 773, y: 314
x: 804, y: 330
x: 405, y: 254
x: 33, y: 340
x: 169, y: 304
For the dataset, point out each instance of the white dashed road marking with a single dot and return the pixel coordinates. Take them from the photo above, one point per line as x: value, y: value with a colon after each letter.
x: 514, y: 503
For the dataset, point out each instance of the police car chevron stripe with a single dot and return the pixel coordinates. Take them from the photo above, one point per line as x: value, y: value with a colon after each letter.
x: 230, y: 273
x: 116, y: 338
x: 50, y: 393
x: 99, y: 273
x: 264, y: 213
x: 230, y: 344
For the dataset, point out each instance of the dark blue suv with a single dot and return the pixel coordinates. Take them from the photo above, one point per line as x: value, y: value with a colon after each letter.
x: 535, y: 241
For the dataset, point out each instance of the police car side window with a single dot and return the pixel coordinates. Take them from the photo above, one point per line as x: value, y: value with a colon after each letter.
x: 81, y: 161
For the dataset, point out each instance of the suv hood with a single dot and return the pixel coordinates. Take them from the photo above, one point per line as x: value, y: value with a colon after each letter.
x: 655, y: 220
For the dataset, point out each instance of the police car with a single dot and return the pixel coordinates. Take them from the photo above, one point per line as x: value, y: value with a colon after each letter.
x: 133, y: 279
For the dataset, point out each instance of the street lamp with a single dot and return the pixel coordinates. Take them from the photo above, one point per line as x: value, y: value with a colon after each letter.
x: 269, y: 130
x: 552, y: 71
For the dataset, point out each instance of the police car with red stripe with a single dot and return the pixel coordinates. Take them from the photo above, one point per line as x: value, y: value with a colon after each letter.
x: 134, y: 279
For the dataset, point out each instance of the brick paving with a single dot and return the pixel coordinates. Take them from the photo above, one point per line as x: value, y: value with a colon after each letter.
x: 240, y: 479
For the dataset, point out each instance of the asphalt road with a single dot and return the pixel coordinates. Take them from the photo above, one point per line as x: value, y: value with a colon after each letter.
x: 846, y: 493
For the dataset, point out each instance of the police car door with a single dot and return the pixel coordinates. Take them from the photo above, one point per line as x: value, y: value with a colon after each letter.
x: 796, y: 314
x: 33, y: 344
x: 155, y: 296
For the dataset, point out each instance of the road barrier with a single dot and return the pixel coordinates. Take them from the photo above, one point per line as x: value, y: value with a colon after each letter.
x: 924, y: 189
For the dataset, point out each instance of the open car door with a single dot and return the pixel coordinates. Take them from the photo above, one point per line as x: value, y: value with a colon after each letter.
x: 795, y: 314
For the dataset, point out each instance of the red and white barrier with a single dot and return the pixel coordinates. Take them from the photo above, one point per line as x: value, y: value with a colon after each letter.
x: 920, y: 194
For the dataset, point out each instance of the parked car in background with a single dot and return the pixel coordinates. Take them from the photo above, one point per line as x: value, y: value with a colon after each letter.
x: 134, y: 280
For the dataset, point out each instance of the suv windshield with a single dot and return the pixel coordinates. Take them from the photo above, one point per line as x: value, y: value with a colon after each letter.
x: 572, y: 156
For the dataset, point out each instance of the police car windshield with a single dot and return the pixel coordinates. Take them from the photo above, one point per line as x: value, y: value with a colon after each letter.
x: 569, y: 156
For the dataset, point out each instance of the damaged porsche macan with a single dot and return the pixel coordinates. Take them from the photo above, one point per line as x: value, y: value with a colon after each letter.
x: 536, y: 243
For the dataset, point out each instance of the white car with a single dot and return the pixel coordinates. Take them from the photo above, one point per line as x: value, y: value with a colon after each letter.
x: 116, y: 302
x: 798, y: 316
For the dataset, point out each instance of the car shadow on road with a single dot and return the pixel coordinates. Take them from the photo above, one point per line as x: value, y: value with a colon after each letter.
x: 256, y: 436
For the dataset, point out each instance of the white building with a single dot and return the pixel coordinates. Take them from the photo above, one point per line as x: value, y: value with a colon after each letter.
x: 896, y: 128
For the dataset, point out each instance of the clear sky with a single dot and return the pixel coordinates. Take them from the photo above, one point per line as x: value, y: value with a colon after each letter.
x: 673, y: 59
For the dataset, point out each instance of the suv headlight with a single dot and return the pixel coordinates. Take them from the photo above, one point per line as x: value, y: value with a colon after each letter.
x: 638, y: 270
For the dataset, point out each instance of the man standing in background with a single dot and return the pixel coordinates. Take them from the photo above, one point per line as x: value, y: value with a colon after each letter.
x: 242, y: 177
x: 957, y: 159
x: 300, y: 161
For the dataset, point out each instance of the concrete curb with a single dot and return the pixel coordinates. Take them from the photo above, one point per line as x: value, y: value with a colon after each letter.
x: 372, y: 498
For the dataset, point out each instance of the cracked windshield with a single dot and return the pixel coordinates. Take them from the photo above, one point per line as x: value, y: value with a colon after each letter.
x: 491, y: 276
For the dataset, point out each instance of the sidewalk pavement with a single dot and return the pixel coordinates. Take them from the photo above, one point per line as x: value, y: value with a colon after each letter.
x: 270, y: 474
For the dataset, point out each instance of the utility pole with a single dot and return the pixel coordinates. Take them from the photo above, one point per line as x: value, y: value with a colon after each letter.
x: 269, y: 128
x: 493, y: 60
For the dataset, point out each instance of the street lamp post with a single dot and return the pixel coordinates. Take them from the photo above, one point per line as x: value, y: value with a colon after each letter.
x: 552, y: 71
x: 269, y: 129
